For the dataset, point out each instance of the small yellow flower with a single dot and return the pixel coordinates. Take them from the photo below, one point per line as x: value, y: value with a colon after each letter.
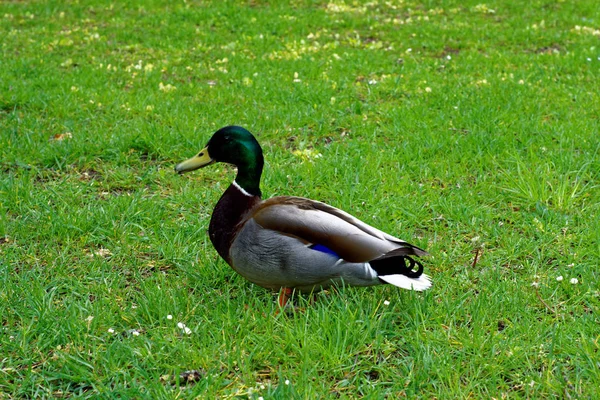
x: 166, y: 88
x: 484, y: 9
x: 307, y: 154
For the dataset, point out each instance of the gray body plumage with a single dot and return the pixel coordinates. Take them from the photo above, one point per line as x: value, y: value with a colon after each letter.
x: 274, y: 260
x: 273, y: 246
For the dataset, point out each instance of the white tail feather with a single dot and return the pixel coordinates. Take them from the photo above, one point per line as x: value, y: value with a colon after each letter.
x: 419, y: 284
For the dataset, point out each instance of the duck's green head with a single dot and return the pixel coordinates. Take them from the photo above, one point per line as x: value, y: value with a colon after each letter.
x: 232, y: 145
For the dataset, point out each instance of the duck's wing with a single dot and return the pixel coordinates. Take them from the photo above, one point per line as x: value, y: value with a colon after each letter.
x: 317, y: 223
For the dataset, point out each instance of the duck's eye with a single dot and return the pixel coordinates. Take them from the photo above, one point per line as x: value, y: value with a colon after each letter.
x: 227, y: 138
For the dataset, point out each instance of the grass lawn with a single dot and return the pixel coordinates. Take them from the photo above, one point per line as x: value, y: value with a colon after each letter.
x: 468, y: 129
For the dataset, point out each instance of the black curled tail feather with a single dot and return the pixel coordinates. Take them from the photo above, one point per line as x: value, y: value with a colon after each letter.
x: 410, y: 272
x: 397, y: 265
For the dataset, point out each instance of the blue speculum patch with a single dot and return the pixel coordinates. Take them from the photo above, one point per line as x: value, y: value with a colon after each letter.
x: 324, y: 249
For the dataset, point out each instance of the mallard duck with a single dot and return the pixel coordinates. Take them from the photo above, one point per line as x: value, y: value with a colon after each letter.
x: 292, y: 243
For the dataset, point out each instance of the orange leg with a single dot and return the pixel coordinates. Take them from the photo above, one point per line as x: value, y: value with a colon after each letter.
x: 284, y: 296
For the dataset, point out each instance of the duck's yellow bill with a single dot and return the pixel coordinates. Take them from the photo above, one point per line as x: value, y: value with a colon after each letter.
x: 202, y: 159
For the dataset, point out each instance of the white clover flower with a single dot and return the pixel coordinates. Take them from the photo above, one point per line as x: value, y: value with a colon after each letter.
x: 184, y: 328
x: 574, y: 281
x: 111, y: 330
x: 287, y: 382
x: 101, y: 252
x: 169, y: 317
x: 386, y: 303
x: 135, y: 333
x: 535, y: 284
x: 559, y: 278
